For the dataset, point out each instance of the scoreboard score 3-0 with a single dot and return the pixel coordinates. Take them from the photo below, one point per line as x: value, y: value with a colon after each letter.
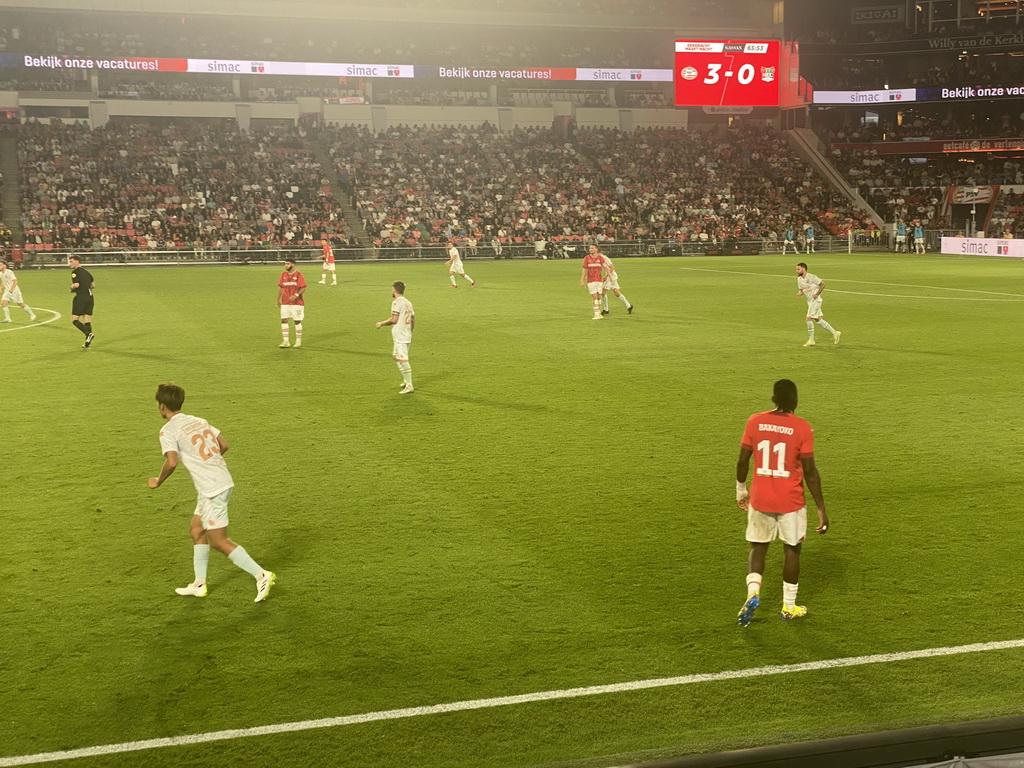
x: 727, y: 73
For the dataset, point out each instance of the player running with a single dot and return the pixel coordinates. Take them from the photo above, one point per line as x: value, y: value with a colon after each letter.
x: 593, y: 276
x: 9, y: 291
x: 611, y: 283
x: 811, y: 286
x: 201, y: 448
x: 455, y: 267
x: 289, y: 298
x: 775, y: 505
x: 328, y: 257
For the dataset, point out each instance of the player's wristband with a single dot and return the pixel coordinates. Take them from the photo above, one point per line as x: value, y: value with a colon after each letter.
x: 741, y: 491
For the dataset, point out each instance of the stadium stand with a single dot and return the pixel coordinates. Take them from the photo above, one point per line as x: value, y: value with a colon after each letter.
x: 185, y: 184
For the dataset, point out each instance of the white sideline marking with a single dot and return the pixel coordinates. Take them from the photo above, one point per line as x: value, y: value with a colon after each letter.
x: 862, y: 282
x: 504, y: 701
x: 56, y: 316
x: 930, y: 298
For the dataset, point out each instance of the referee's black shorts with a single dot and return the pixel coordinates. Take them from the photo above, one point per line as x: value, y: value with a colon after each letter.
x: 82, y: 305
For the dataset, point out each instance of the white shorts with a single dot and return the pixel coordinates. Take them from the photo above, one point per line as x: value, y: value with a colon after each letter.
x: 611, y: 282
x: 814, y: 309
x: 595, y: 287
x: 13, y: 296
x: 763, y: 527
x: 457, y: 269
x: 901, y: 238
x: 213, y: 511
x: 296, y: 312
x: 329, y: 267
x: 790, y: 242
x: 400, y: 351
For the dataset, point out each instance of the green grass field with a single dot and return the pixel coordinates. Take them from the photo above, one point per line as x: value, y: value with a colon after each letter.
x: 552, y: 508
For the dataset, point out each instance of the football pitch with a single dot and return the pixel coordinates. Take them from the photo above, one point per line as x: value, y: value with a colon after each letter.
x: 551, y: 509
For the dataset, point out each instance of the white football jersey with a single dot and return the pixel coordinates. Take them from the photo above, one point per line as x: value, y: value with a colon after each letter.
x: 809, y: 285
x: 455, y: 256
x: 195, y: 441
x: 8, y: 279
x: 401, y: 331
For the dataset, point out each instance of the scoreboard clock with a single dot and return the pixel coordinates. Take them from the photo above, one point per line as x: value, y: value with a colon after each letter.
x: 727, y: 73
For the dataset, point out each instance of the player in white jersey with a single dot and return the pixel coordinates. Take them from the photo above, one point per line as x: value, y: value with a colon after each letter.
x: 611, y: 283
x: 455, y: 267
x: 811, y: 286
x: 402, y: 320
x: 201, y: 447
x: 9, y: 291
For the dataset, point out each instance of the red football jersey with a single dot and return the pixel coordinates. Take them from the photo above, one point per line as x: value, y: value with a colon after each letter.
x: 328, y: 254
x: 289, y: 284
x: 593, y: 263
x: 778, y: 441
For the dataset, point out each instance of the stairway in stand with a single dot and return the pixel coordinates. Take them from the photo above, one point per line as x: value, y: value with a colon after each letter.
x: 323, y: 156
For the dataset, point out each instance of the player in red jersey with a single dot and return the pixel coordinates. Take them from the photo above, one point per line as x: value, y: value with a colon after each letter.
x: 775, y: 506
x: 289, y: 298
x: 328, y: 257
x: 594, y: 269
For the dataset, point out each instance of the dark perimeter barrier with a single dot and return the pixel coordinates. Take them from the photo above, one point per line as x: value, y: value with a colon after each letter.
x: 964, y: 745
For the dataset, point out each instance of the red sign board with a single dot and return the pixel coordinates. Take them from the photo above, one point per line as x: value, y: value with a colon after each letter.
x: 727, y: 73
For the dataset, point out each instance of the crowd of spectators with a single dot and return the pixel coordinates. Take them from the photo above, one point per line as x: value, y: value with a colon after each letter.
x: 425, y: 185
x: 180, y: 90
x: 433, y: 97
x: 743, y: 183
x: 971, y: 124
x: 1007, y: 214
x: 907, y: 188
x: 173, y: 185
x: 421, y: 184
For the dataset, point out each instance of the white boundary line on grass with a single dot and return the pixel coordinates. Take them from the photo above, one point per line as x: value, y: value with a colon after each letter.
x: 504, y: 701
x: 866, y: 282
x: 56, y: 316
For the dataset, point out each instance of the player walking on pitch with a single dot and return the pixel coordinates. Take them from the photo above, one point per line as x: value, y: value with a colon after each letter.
x: 402, y: 320
x: 9, y: 291
x: 775, y: 505
x: 455, y: 267
x: 329, y: 266
x: 811, y: 286
x: 611, y: 283
x: 201, y: 448
x: 593, y: 277
x: 289, y: 298
x: 82, y: 305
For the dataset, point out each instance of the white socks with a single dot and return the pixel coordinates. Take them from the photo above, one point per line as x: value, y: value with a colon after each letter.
x: 241, y: 558
x: 826, y: 326
x: 753, y: 584
x: 789, y: 594
x: 622, y: 298
x: 406, y: 370
x: 200, y: 559
x: 810, y: 330
x: 284, y: 332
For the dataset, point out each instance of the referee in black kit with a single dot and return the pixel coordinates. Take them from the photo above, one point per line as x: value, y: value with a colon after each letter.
x: 81, y: 306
